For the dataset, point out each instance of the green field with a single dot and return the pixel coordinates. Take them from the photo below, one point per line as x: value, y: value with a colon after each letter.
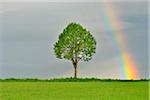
x: 74, y: 90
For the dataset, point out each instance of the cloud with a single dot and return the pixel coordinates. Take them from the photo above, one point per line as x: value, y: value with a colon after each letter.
x: 70, y: 0
x: 29, y: 31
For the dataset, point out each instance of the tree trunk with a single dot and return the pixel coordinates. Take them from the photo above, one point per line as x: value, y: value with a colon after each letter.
x: 75, y: 69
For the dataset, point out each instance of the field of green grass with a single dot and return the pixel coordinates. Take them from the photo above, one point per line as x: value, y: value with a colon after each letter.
x: 74, y: 90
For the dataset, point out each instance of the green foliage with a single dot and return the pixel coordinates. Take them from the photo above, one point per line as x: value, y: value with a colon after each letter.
x: 71, y: 79
x: 75, y: 43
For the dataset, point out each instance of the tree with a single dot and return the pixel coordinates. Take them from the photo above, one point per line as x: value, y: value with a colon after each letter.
x: 76, y: 44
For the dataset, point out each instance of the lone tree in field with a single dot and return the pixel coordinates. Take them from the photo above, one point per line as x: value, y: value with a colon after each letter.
x: 75, y: 44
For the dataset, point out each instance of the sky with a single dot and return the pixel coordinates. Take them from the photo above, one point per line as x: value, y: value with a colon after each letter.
x: 29, y: 30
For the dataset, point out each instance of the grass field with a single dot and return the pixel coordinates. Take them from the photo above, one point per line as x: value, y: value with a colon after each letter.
x: 74, y: 90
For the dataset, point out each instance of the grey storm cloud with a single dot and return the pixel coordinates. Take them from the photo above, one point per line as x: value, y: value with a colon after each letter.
x: 29, y: 30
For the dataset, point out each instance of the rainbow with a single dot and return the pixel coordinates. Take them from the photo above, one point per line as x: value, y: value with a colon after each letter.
x: 119, y: 42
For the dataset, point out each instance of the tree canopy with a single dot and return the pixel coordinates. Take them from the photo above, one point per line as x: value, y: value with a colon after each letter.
x: 75, y: 43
